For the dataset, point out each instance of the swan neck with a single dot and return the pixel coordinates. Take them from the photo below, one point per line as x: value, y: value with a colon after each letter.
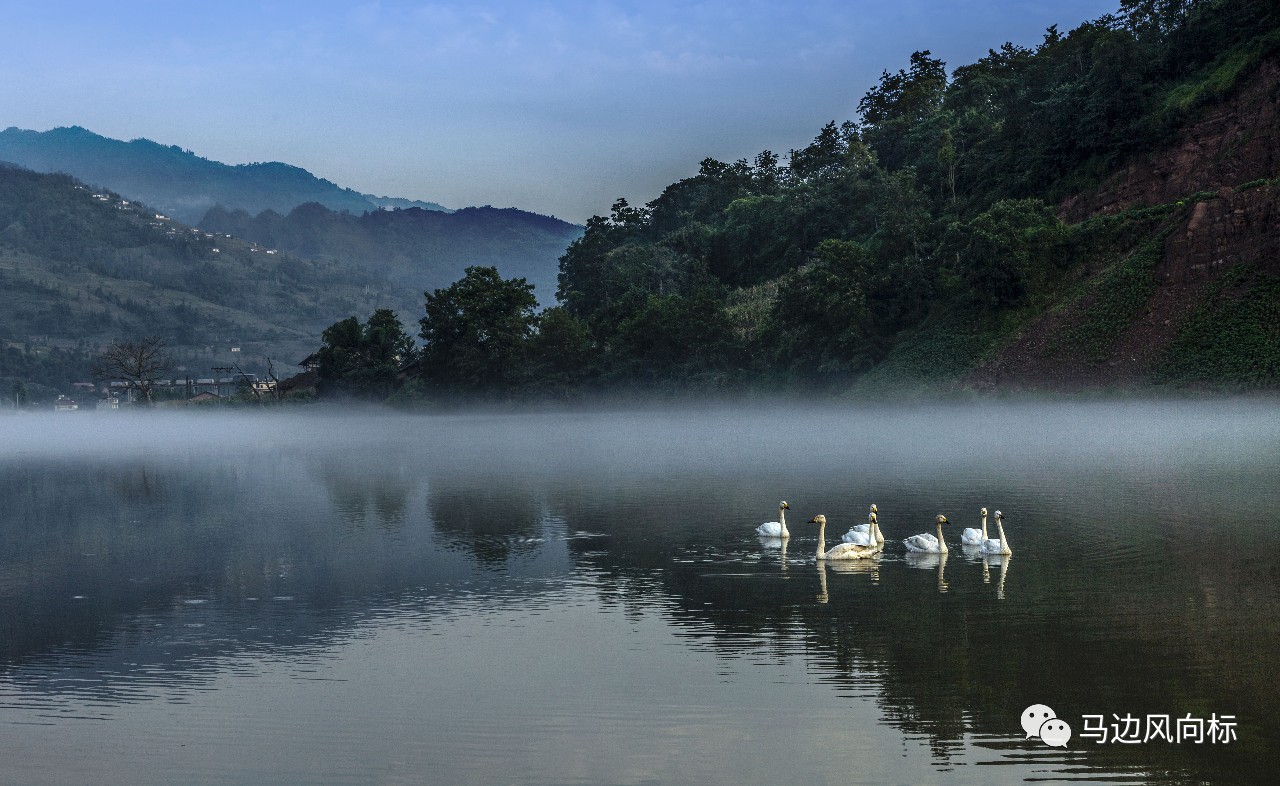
x: 942, y: 544
x: 1004, y: 543
x: 822, y: 540
x: 782, y: 520
x: 984, y: 528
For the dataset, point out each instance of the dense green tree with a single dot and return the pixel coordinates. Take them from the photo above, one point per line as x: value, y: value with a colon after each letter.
x: 588, y: 277
x: 561, y: 352
x: 675, y: 339
x: 893, y: 110
x: 476, y: 333
x: 364, y: 361
x: 1002, y: 251
x: 931, y: 215
x: 822, y: 314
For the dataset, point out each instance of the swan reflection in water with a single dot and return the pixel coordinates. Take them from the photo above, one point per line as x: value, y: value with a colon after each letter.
x: 768, y: 544
x: 928, y: 561
x: 996, y: 560
x: 870, y: 567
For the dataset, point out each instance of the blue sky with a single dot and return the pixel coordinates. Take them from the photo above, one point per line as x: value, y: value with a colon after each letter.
x: 555, y: 107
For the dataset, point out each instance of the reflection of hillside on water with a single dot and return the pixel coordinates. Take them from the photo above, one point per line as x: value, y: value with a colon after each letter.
x: 363, y: 494
x: 491, y: 519
x: 1113, y: 606
x: 153, y: 570
x: 1118, y: 613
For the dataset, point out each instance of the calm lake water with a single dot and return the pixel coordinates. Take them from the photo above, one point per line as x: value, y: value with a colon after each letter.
x: 547, y: 599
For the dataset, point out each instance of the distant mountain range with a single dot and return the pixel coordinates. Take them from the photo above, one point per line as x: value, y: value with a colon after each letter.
x: 178, y: 182
x: 416, y: 250
x: 416, y: 246
x: 81, y: 267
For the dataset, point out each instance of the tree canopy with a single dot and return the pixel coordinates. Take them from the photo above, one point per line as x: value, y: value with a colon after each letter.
x: 364, y: 361
x: 931, y: 214
x: 476, y: 332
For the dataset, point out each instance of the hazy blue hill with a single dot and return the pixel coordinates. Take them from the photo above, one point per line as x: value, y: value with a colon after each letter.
x: 81, y: 267
x: 177, y: 182
x: 416, y: 249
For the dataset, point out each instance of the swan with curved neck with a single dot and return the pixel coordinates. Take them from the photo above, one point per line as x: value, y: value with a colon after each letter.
x: 840, y: 550
x: 994, y: 546
x: 927, y: 543
x: 776, y: 529
x: 866, y: 534
x: 877, y: 537
x: 973, y: 536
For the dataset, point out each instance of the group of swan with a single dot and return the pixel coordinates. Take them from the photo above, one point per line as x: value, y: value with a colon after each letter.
x: 925, y: 543
x: 860, y: 542
x: 973, y: 537
x: 866, y: 540
x: 872, y: 543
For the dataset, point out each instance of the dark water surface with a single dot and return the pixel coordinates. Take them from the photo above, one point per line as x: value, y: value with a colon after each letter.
x: 582, y: 598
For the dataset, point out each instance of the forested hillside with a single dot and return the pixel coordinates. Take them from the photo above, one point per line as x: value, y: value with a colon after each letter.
x: 418, y: 250
x: 1097, y: 211
x: 80, y: 268
x: 177, y: 182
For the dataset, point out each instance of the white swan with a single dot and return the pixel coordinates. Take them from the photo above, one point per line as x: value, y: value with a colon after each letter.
x: 840, y: 550
x: 994, y: 546
x: 868, y: 534
x: 863, y: 534
x: 973, y: 536
x: 776, y: 529
x: 927, y: 543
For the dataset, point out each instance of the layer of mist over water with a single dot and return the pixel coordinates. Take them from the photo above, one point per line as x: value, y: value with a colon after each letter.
x: 581, y: 597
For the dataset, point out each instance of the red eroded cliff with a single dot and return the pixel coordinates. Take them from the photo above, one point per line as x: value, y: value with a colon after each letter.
x: 1218, y: 225
x: 1233, y: 143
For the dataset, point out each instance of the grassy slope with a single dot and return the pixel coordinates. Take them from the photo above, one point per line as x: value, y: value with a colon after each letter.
x: 1086, y: 330
x: 76, y: 270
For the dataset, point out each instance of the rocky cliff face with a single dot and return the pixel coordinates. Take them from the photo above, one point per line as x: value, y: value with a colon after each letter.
x: 1233, y: 143
x: 1218, y: 226
x: 1240, y: 225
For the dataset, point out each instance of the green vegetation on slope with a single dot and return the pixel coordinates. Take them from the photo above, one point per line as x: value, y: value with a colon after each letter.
x: 80, y: 269
x: 1233, y: 336
x: 908, y: 248
x: 416, y: 249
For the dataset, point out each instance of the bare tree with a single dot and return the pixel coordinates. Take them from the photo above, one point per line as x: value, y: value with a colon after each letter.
x: 272, y: 387
x: 138, y: 364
